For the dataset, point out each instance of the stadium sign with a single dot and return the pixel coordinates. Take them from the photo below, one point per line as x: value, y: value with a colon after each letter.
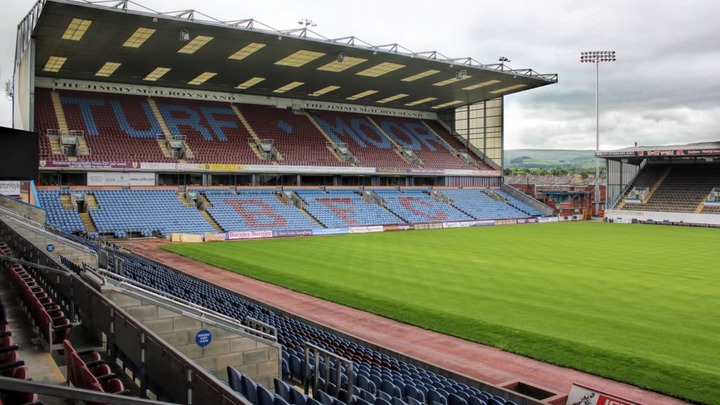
x: 582, y: 395
x: 120, y: 88
x: 330, y: 231
x: 132, y: 89
x: 120, y: 179
x: 86, y: 165
x: 658, y: 153
x: 366, y: 229
x: 203, y: 338
x: 361, y: 109
x: 248, y: 235
x: 288, y: 233
x: 10, y: 187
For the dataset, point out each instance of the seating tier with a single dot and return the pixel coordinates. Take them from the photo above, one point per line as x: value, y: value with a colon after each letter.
x: 145, y: 211
x: 417, y: 206
x: 479, y: 205
x: 117, y: 128
x: 294, y: 135
x: 255, y: 210
x: 683, y: 188
x: 342, y: 208
x: 365, y: 140
x: 128, y: 128
x: 213, y: 131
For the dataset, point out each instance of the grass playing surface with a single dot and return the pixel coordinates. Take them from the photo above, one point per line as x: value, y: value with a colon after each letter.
x: 635, y: 303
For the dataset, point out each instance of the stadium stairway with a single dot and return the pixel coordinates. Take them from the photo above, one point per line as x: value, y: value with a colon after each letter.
x: 166, y: 135
x: 59, y: 112
x: 211, y: 220
x: 88, y: 222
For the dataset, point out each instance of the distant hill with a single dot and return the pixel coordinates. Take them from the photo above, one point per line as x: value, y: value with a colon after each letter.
x: 550, y: 158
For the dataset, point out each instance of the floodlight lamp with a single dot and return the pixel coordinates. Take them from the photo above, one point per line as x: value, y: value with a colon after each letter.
x: 184, y: 35
x: 340, y: 57
x: 460, y: 74
x: 307, y: 22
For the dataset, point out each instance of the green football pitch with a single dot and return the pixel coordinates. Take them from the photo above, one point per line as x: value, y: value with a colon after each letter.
x: 635, y: 303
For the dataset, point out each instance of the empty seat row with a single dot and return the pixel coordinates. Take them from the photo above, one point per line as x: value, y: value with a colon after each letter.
x: 48, y: 317
x: 87, y: 370
x: 126, y: 128
x: 381, y: 372
x: 11, y: 363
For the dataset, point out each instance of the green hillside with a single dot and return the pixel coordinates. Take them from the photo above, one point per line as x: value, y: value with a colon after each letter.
x: 550, y: 159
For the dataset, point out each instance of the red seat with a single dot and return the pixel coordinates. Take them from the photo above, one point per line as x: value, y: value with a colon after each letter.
x: 12, y: 361
x: 16, y: 397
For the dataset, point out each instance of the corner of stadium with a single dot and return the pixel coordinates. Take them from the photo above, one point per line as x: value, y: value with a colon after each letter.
x: 137, y: 133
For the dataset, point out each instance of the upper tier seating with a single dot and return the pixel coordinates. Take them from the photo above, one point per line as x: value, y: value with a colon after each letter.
x: 117, y: 128
x: 254, y: 209
x: 682, y: 190
x: 455, y: 143
x: 213, y: 130
x: 339, y: 208
x: 413, y: 134
x: 45, y: 120
x: 479, y: 205
x: 145, y: 211
x: 365, y: 140
x: 126, y: 128
x: 417, y: 206
x: 294, y: 135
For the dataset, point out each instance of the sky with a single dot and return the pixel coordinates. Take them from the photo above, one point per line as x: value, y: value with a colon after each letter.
x: 664, y: 87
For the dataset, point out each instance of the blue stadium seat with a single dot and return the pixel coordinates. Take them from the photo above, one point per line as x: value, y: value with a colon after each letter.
x: 264, y: 396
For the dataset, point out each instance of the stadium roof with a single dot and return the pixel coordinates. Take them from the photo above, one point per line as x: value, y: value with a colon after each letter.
x: 186, y: 49
x: 635, y: 155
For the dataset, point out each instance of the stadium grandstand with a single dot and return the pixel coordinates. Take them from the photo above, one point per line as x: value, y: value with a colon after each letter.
x: 180, y: 127
x: 675, y: 184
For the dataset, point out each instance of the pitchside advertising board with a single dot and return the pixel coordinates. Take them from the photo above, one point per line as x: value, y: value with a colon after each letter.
x: 582, y: 395
x: 11, y: 188
x: 120, y: 179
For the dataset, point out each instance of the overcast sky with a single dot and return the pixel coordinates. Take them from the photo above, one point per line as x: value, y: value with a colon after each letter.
x: 663, y: 89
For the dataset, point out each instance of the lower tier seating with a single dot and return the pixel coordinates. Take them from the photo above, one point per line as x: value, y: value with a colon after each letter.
x: 343, y: 208
x: 476, y: 203
x: 255, y: 210
x: 378, y: 378
x: 417, y: 206
x: 125, y: 212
